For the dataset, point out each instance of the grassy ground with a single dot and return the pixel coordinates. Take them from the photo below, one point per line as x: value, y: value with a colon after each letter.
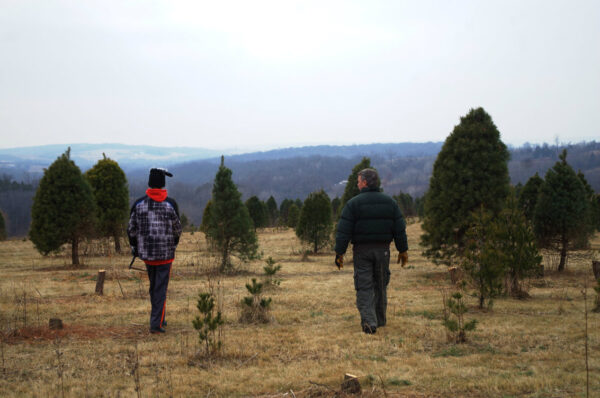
x: 531, y: 348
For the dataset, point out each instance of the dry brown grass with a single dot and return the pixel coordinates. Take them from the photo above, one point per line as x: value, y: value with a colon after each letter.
x: 532, y: 348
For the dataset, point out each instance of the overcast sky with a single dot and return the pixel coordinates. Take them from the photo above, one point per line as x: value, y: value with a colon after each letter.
x: 269, y: 74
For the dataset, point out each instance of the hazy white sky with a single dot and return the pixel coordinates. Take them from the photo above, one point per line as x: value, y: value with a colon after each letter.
x: 266, y: 74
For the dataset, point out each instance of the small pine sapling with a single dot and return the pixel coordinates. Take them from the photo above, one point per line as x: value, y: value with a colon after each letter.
x: 457, y: 326
x: 207, y: 324
x: 255, y: 308
x: 270, y: 270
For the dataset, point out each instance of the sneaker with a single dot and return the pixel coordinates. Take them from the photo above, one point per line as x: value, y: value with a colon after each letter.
x: 369, y: 329
x: 157, y: 330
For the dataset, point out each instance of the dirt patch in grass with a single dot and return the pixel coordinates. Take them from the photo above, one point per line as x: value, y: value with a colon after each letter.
x: 79, y: 332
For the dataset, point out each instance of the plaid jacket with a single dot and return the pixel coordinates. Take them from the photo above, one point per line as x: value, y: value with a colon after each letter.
x: 154, y: 227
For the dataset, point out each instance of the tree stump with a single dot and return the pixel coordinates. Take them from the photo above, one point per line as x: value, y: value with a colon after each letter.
x: 596, y: 269
x: 55, y: 323
x: 100, y: 282
x: 350, y: 385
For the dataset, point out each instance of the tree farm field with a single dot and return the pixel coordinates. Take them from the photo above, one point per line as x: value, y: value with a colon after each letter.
x: 520, y: 348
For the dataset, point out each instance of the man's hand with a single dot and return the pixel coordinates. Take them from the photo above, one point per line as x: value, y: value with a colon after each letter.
x: 134, y: 251
x: 402, y: 258
x: 339, y: 261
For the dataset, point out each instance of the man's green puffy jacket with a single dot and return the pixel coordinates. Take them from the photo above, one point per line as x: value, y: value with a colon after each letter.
x: 371, y: 217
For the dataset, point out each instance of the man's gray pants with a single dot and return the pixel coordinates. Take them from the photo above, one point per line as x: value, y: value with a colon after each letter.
x: 371, y: 278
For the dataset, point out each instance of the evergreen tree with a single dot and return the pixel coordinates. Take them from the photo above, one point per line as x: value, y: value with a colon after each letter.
x: 229, y: 226
x: 406, y: 204
x: 185, y: 221
x: 299, y: 203
x: 513, y: 235
x: 315, y: 223
x: 283, y: 211
x: 562, y: 210
x: 63, y: 208
x: 293, y: 216
x: 2, y: 227
x: 336, y: 204
x: 482, y: 258
x: 258, y: 212
x: 206, y: 217
x: 109, y: 186
x: 593, y: 208
x: 529, y: 195
x: 470, y: 171
x: 272, y: 211
x: 351, y: 189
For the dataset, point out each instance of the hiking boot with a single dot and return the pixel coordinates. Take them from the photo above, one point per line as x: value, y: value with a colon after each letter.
x: 157, y: 330
x: 164, y: 323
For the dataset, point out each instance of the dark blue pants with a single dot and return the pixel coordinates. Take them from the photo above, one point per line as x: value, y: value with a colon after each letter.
x: 159, y: 281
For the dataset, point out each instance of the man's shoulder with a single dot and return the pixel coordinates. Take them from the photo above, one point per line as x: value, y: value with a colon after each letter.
x: 138, y: 201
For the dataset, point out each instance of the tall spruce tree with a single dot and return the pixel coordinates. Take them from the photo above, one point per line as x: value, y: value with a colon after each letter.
x: 315, y: 223
x: 63, y: 208
x: 351, y: 189
x: 562, y: 210
x: 272, y: 211
x: 258, y: 212
x: 529, y: 195
x: 109, y: 186
x: 229, y: 225
x: 470, y: 171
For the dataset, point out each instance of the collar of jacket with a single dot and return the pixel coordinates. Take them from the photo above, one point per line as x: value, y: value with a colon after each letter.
x: 156, y: 194
x: 367, y: 189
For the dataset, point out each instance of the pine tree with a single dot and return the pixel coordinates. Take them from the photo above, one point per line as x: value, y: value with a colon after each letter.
x: 208, y: 324
x: 315, y: 223
x: 470, y: 171
x: 2, y: 227
x: 272, y: 211
x: 293, y: 216
x: 529, y: 195
x: 351, y: 189
x: 561, y: 212
x: 109, y: 186
x: 229, y: 225
x: 258, y: 212
x: 593, y: 209
x: 255, y: 308
x: 63, y: 208
x: 206, y: 217
x: 336, y: 206
x: 283, y: 211
x: 513, y: 235
x: 482, y: 257
x: 406, y: 204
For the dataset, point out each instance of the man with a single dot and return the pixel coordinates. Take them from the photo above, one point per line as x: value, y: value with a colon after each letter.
x: 154, y: 230
x: 371, y: 220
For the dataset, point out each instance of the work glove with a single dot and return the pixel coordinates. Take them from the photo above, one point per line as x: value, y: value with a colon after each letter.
x: 134, y: 251
x: 339, y: 261
x: 402, y: 258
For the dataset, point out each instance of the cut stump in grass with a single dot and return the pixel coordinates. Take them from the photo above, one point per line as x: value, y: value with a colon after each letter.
x: 351, y: 385
x: 100, y: 282
x: 55, y: 323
